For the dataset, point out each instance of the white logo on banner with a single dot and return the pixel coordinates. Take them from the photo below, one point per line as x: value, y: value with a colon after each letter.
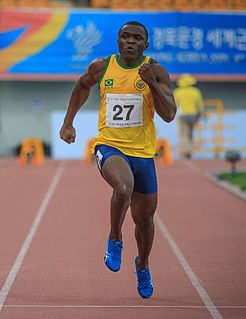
x: 84, y: 38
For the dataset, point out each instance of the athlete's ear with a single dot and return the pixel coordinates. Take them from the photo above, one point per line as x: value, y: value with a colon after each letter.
x: 146, y: 45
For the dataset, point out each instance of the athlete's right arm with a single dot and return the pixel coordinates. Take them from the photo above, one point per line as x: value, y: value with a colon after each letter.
x: 79, y: 96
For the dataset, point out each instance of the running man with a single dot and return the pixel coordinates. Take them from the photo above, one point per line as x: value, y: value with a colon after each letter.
x: 132, y: 88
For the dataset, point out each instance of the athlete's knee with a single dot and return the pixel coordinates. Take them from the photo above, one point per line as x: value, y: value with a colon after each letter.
x: 123, y: 190
x: 144, y: 222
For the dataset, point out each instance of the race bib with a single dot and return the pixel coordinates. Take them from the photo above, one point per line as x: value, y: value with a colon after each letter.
x: 124, y: 110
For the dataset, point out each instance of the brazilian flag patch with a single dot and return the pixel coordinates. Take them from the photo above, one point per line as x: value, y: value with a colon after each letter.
x: 109, y: 82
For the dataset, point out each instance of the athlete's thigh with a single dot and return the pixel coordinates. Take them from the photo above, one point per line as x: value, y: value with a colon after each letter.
x: 143, y: 205
x: 117, y: 171
x: 114, y: 166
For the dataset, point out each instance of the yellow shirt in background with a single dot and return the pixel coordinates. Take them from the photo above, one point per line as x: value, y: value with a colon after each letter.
x: 126, y: 115
x: 189, y: 100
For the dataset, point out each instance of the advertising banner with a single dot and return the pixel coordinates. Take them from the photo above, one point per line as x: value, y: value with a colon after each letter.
x: 61, y: 44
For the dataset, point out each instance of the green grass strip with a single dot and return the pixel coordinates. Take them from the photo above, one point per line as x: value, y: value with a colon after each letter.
x: 238, y: 179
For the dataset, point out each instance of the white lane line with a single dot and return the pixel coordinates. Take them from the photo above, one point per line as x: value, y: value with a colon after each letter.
x: 188, y: 270
x: 25, y: 246
x: 192, y: 167
x: 226, y: 186
x: 123, y: 306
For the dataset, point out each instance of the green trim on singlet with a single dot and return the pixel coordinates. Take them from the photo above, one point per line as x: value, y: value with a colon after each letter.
x: 129, y: 67
x: 104, y: 71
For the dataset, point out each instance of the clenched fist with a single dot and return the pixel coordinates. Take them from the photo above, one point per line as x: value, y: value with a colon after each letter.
x: 68, y: 133
x: 146, y: 73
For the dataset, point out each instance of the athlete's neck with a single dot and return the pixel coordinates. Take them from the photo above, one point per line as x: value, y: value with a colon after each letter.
x: 129, y: 61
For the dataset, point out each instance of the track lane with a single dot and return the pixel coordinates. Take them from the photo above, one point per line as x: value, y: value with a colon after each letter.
x: 209, y: 225
x: 21, y: 192
x: 63, y: 275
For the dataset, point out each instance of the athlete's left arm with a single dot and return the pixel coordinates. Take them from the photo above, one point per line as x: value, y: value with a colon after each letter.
x: 159, y: 83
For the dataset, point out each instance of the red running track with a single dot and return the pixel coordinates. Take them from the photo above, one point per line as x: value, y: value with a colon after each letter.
x: 54, y: 223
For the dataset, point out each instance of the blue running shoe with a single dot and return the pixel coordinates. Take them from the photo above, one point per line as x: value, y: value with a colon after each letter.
x: 112, y: 256
x: 145, y: 284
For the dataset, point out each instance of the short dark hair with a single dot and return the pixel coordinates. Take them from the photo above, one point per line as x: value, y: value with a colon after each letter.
x: 138, y: 24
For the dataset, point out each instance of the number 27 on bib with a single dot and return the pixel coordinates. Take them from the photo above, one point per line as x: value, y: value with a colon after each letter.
x: 124, y: 110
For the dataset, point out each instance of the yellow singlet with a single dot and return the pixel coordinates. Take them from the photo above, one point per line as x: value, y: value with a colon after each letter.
x: 126, y: 115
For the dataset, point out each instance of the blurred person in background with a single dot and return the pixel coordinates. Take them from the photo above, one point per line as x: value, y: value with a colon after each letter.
x: 81, y: 3
x: 190, y: 109
x: 132, y: 87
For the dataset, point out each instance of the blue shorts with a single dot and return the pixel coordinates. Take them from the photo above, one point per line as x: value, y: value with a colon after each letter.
x: 143, y: 169
x: 189, y: 118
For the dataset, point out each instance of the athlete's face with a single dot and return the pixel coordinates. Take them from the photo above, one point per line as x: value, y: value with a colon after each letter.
x: 132, y: 41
